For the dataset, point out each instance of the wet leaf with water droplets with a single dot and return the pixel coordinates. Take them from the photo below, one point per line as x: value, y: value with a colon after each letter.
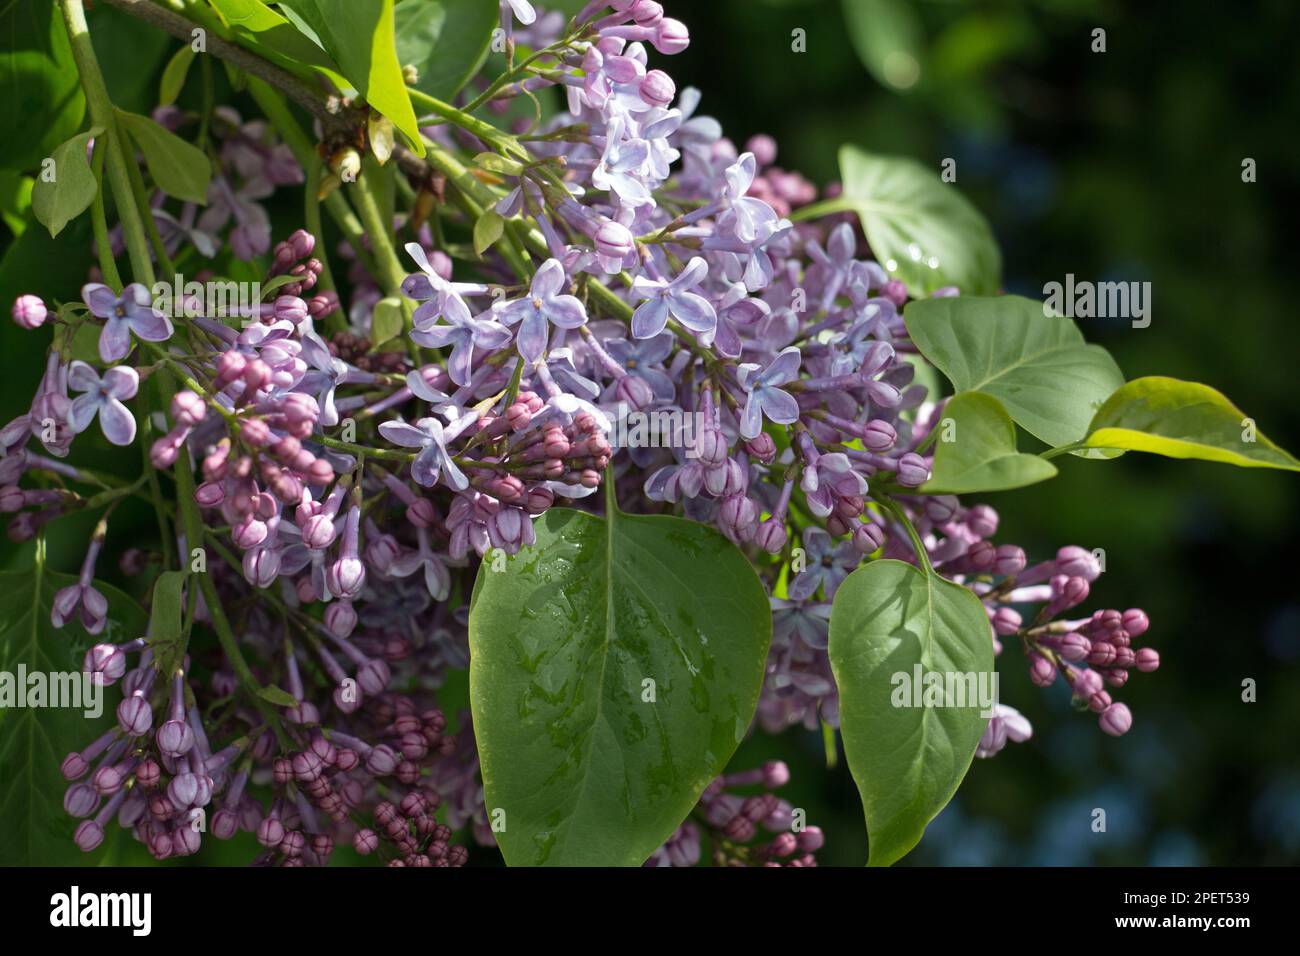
x: 588, y: 771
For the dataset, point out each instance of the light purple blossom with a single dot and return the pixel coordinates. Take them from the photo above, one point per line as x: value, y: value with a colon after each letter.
x: 132, y: 311
x: 673, y: 297
x: 433, y: 459
x: 765, y: 397
x: 104, y: 397
x: 544, y: 303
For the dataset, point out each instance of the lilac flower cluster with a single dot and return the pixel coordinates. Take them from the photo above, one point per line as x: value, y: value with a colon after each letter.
x: 347, y: 494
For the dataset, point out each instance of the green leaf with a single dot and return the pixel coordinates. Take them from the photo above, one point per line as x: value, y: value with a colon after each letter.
x: 919, y: 227
x: 889, y: 619
x: 179, y: 169
x: 73, y: 189
x: 1177, y: 419
x: 165, y: 622
x: 445, y: 40
x: 587, y: 771
x: 173, y: 78
x: 277, y: 696
x: 981, y: 455
x: 386, y: 321
x: 1038, y: 366
x: 264, y: 30
x: 42, y: 104
x: 33, y: 742
x: 361, y: 37
x: 487, y: 230
x: 888, y: 38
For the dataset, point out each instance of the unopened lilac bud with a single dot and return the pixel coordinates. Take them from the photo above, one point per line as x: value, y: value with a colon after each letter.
x: 771, y: 536
x: 1087, y: 682
x: 982, y: 521
x: 1006, y: 621
x: 341, y: 618
x: 1076, y: 562
x: 913, y: 471
x: 614, y: 240
x: 1009, y: 560
x: 1075, y: 647
x: 290, y: 308
x: 365, y: 842
x: 381, y: 761
x: 89, y: 835
x: 879, y: 435
x: 895, y: 292
x: 134, y: 715
x: 762, y: 447
x: 106, y: 662
x: 811, y: 839
x: 373, y: 676
x: 225, y: 824
x: 1116, y: 720
x: 1135, y: 622
x: 868, y: 537
x: 188, y: 409
x: 74, y: 766
x: 634, y: 391
x: 1147, y: 660
x: 270, y: 833
x: 1041, y: 670
x: 29, y: 312
x: 183, y: 791
x: 670, y: 37
x: 175, y: 738
x: 657, y: 88
x: 80, y: 800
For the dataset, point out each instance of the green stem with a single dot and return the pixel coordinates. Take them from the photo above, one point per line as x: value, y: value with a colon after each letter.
x: 827, y: 207
x: 99, y: 223
x: 101, y: 114
x: 918, y: 546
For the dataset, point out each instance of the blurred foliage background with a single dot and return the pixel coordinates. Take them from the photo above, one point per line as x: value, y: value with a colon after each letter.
x: 1121, y: 165
x: 1117, y: 165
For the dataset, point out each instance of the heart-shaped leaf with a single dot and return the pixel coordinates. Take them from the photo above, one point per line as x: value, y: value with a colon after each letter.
x: 1177, y: 419
x: 57, y: 201
x: 976, y: 450
x: 1037, y: 365
x: 919, y: 227
x: 614, y: 668
x: 895, y: 631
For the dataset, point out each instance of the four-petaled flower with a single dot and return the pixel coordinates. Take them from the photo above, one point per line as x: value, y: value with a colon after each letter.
x: 765, y: 398
x: 426, y: 435
x: 103, y: 397
x: 463, y: 334
x: 542, y: 304
x: 325, y: 375
x: 826, y: 565
x: 665, y: 296
x: 133, y: 311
